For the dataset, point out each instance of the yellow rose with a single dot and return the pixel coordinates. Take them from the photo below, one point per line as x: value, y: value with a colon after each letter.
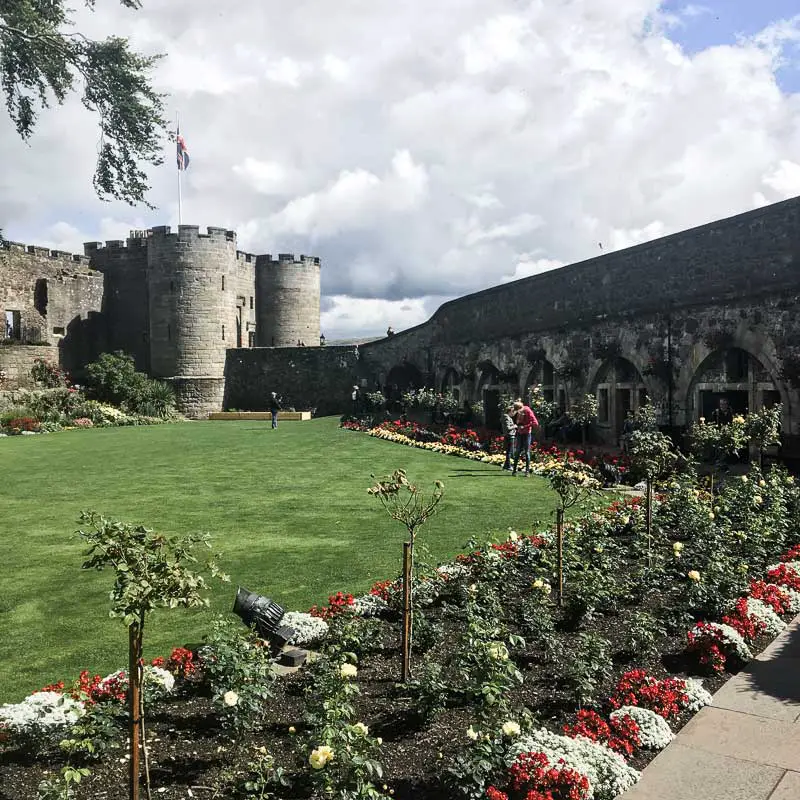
x: 693, y: 575
x: 320, y: 757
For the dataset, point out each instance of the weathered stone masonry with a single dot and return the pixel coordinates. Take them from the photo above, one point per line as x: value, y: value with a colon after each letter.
x: 174, y: 301
x: 681, y: 320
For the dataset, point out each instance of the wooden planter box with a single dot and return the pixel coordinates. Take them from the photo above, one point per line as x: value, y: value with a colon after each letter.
x: 283, y: 416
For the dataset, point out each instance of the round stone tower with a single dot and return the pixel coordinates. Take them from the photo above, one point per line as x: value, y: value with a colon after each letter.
x: 287, y: 300
x: 191, y: 297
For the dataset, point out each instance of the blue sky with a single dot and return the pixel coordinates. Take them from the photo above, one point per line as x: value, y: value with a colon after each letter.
x: 706, y: 23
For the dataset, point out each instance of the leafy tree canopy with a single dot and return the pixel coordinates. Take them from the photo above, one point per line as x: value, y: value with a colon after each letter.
x: 41, y: 58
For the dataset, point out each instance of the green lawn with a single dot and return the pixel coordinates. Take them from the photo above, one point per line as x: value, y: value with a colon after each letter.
x: 288, y: 508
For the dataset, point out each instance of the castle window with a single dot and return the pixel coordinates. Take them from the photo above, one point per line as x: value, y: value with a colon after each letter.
x: 251, y: 301
x: 251, y: 338
x: 40, y: 296
x: 13, y: 325
x: 58, y: 332
x: 223, y: 333
x: 223, y: 288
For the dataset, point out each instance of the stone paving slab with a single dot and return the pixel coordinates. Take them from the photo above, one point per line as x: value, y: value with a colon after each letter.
x: 769, y: 688
x: 685, y: 773
x: 787, y: 645
x: 788, y: 788
x: 731, y: 733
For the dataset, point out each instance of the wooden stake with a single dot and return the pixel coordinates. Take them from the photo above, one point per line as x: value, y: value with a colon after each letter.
x: 406, y: 643
x: 649, y: 522
x: 134, y: 708
x: 560, y: 537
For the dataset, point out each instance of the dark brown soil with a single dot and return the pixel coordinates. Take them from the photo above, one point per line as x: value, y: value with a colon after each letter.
x: 191, y: 757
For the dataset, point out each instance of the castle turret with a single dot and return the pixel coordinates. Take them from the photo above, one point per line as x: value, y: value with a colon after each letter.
x: 287, y: 300
x: 191, y: 300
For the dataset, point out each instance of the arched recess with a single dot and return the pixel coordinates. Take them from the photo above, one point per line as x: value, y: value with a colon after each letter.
x: 738, y: 376
x: 619, y: 388
x: 40, y: 296
x: 401, y: 378
x: 554, y: 387
x: 451, y: 382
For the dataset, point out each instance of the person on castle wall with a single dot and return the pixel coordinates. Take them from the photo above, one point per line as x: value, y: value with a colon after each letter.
x: 274, y: 408
x: 389, y: 331
x: 524, y: 418
x: 509, y: 436
x: 322, y: 340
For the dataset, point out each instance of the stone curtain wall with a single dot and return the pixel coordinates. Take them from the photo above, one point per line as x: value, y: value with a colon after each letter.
x: 62, y: 285
x: 16, y: 362
x: 307, y: 378
x: 748, y: 255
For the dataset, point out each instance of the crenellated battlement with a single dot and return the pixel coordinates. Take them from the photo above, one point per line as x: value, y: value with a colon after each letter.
x: 286, y: 258
x: 138, y: 239
x: 45, y: 252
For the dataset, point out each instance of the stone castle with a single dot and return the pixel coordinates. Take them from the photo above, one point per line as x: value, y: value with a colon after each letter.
x: 175, y: 301
x: 681, y: 321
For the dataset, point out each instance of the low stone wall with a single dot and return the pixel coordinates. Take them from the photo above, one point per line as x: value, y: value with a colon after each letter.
x: 317, y: 378
x: 16, y: 362
x: 283, y: 416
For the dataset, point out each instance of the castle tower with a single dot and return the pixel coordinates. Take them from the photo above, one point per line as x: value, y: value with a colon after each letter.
x: 191, y: 301
x: 287, y: 300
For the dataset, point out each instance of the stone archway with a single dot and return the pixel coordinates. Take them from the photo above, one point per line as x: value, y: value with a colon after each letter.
x: 554, y: 387
x: 399, y: 379
x: 736, y: 375
x: 619, y: 388
x: 451, y: 382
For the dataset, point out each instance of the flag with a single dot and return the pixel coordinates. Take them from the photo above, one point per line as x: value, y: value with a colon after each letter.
x: 183, y: 153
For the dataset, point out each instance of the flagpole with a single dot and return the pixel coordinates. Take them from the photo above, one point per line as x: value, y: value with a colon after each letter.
x: 180, y: 169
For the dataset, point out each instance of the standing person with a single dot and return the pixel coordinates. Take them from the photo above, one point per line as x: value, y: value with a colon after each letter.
x: 723, y: 415
x: 355, y: 396
x: 509, y: 434
x: 274, y: 407
x: 524, y: 419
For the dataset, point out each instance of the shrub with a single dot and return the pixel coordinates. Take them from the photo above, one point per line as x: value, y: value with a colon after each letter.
x: 239, y: 671
x: 48, y: 374
x: 113, y: 379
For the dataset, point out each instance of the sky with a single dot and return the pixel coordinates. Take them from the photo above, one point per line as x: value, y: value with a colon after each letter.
x: 427, y: 150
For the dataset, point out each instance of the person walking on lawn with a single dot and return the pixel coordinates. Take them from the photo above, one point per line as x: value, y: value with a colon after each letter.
x: 524, y: 419
x: 274, y: 407
x: 509, y: 433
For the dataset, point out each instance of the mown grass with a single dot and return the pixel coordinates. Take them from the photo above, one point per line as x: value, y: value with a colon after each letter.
x: 288, y: 508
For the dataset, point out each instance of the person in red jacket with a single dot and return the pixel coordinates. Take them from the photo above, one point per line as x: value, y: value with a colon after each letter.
x: 524, y: 419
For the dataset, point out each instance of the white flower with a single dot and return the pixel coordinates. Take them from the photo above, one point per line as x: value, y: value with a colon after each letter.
x: 473, y: 734
x: 348, y: 671
x: 654, y: 732
x: 698, y: 696
x: 677, y: 546
x: 361, y: 728
x: 513, y: 536
x: 510, y: 728
x: 760, y: 611
x: 307, y: 628
x: 607, y: 772
x: 41, y: 714
x: 730, y: 636
x: 368, y: 605
x: 230, y: 698
x: 693, y: 575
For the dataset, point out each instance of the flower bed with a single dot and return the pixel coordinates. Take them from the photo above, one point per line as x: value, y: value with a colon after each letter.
x: 512, y: 696
x: 478, y: 445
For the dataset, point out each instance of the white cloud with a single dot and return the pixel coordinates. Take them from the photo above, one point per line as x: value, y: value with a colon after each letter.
x: 351, y: 317
x: 784, y: 179
x: 427, y: 150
